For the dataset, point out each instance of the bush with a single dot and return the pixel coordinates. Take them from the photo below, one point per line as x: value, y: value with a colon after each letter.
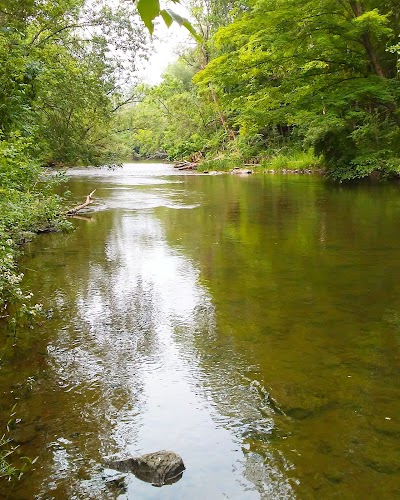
x: 26, y: 204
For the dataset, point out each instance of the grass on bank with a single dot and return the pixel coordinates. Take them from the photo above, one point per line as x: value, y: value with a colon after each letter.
x: 297, y: 160
x: 220, y: 163
x: 8, y: 471
x: 289, y: 161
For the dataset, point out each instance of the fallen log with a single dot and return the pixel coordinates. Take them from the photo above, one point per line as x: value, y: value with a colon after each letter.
x: 188, y: 167
x: 76, y: 209
x: 185, y: 165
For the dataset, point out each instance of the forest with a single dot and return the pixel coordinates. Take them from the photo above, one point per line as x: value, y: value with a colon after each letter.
x: 275, y: 82
x: 271, y: 83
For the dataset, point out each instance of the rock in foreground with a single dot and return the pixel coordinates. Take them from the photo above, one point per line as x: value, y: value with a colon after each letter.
x: 158, y: 468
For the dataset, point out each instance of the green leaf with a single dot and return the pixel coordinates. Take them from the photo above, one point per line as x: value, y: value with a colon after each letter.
x: 186, y: 24
x: 182, y: 21
x: 167, y: 17
x: 148, y: 11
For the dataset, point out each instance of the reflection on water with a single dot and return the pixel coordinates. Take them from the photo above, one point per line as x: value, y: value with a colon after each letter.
x: 250, y: 325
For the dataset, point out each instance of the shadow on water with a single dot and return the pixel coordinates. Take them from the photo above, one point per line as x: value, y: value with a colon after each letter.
x: 249, y: 325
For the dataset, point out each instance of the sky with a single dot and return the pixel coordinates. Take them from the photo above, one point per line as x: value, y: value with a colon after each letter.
x: 166, y: 45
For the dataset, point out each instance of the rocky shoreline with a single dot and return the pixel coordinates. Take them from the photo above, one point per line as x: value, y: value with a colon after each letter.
x: 250, y: 169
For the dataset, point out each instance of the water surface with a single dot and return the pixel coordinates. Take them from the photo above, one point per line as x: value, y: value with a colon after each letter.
x: 250, y: 324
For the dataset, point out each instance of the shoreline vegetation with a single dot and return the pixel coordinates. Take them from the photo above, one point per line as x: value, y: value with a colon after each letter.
x: 295, y: 163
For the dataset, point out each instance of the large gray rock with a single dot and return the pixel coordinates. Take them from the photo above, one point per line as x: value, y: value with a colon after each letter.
x: 158, y: 468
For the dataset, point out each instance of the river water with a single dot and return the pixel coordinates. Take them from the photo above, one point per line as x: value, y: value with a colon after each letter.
x: 250, y: 324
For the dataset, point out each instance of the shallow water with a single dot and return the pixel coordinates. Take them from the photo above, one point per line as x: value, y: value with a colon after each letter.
x: 250, y: 324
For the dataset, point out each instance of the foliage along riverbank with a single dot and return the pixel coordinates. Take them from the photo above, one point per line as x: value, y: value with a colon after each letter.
x: 27, y: 204
x: 274, y: 80
x: 284, y: 85
x: 294, y: 162
x: 62, y: 88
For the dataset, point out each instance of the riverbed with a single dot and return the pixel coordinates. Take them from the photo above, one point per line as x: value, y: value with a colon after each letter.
x: 250, y: 324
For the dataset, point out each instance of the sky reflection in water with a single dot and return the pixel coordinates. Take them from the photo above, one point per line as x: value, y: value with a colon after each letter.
x: 126, y: 353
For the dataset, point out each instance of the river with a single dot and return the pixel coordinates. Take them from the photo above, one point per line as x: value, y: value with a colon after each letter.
x: 249, y: 323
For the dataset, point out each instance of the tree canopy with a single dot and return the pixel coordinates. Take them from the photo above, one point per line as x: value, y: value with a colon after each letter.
x: 61, y: 78
x: 326, y: 72
x: 294, y: 75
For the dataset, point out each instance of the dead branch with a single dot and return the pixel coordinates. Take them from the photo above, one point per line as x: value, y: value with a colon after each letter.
x: 76, y: 209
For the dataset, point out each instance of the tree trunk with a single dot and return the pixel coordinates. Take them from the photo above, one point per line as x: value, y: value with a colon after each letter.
x: 229, y: 132
x: 358, y: 10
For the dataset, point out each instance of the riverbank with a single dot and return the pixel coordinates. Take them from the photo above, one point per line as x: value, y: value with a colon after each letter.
x: 290, y: 162
x: 295, y: 163
x: 24, y: 211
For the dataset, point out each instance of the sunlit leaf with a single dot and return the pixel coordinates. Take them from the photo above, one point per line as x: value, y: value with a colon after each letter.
x: 148, y: 11
x: 186, y: 24
x: 167, y: 17
x: 182, y: 21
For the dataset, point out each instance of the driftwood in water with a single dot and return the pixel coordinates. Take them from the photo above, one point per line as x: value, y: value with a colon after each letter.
x: 186, y: 165
x: 88, y: 201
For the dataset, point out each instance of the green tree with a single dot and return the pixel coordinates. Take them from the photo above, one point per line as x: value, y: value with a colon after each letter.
x: 170, y: 118
x: 64, y: 66
x: 62, y: 79
x: 174, y: 117
x: 321, y: 72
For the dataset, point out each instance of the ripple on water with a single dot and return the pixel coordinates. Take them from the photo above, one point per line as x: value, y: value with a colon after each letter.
x: 138, y: 363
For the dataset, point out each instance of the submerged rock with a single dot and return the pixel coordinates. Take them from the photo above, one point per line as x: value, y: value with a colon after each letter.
x: 158, y: 468
x: 115, y: 481
x: 24, y: 434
